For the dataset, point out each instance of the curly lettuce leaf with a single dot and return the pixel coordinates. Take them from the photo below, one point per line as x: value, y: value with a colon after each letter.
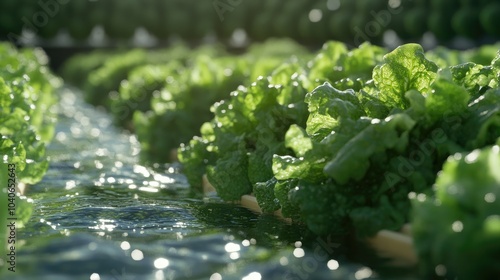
x: 194, y: 157
x: 289, y: 167
x: 310, y: 166
x: 259, y: 164
x: 483, y: 120
x: 264, y: 192
x: 296, y: 138
x: 373, y: 107
x: 324, y: 210
x: 403, y: 69
x: 229, y: 175
x: 353, y: 160
x: 327, y: 107
x: 475, y: 77
x: 289, y: 209
x: 345, y: 69
x: 359, y: 62
x: 322, y: 66
x: 368, y: 220
x: 13, y: 152
x: 445, y: 100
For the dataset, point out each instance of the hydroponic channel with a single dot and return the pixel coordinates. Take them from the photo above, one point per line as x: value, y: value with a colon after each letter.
x: 99, y: 214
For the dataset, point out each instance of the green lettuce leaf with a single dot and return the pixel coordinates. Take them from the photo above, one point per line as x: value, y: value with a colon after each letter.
x: 403, y: 69
x: 289, y: 209
x: 483, y: 120
x: 229, y: 175
x: 327, y: 106
x: 445, y: 100
x: 297, y: 139
x: 264, y: 192
x: 353, y: 160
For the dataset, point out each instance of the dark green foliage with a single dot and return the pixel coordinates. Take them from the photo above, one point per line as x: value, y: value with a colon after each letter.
x: 463, y: 212
x: 264, y: 192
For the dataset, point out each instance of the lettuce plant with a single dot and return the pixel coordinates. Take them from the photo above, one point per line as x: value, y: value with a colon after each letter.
x: 339, y: 144
x: 26, y: 126
x: 463, y: 240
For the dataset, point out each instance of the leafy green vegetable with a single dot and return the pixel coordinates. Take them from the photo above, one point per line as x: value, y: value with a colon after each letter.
x: 475, y: 77
x: 26, y: 111
x: 404, y: 69
x: 281, y: 192
x: 297, y: 139
x: 366, y: 166
x: 108, y: 77
x: 338, y: 142
x: 463, y: 212
x: 247, y: 130
x: 165, y: 95
x: 181, y: 105
x: 445, y: 99
x: 104, y: 82
x: 264, y: 192
x: 327, y: 107
x: 344, y: 69
x: 137, y: 91
x: 77, y: 68
x: 353, y: 160
x: 197, y: 165
x: 231, y: 168
x: 484, y: 120
x: 322, y: 208
x: 26, y: 125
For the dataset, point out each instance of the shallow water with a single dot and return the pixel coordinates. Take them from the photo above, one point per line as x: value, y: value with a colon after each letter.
x: 99, y: 214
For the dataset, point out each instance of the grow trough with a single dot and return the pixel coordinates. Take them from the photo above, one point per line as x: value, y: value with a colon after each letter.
x: 397, y: 246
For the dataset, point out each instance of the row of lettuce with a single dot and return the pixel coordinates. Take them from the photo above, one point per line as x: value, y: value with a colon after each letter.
x: 345, y: 141
x: 27, y: 120
x: 165, y: 95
